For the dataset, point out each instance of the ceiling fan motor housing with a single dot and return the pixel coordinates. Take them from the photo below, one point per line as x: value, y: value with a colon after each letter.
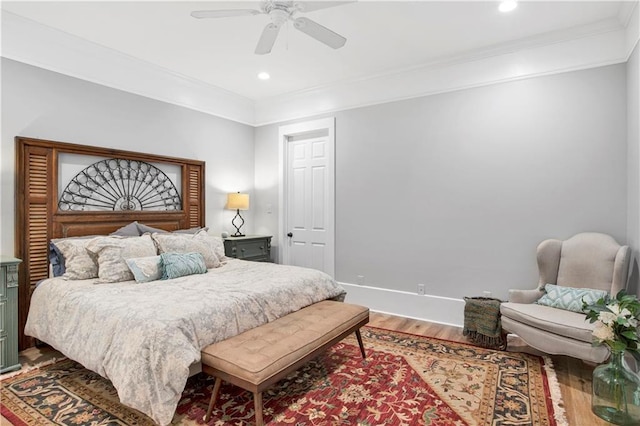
x: 279, y: 11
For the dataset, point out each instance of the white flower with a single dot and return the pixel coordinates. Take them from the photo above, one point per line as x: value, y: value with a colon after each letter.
x: 614, y: 307
x: 616, y: 322
x: 602, y: 332
x: 607, y: 317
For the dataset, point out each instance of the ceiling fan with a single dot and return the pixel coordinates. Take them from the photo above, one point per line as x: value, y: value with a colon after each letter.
x: 280, y: 12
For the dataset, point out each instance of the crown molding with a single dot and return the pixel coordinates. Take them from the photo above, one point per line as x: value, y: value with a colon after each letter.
x: 599, y: 44
x: 39, y: 45
x: 602, y: 43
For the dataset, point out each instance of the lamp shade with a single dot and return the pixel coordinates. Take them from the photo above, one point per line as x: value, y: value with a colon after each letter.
x: 237, y: 201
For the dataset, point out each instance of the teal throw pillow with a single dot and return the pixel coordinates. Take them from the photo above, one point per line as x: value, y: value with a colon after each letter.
x: 569, y: 298
x: 176, y: 265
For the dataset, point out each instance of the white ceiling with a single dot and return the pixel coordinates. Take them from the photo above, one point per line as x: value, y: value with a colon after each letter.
x: 383, y: 38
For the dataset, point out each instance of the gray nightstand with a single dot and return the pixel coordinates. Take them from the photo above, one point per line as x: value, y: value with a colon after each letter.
x: 250, y: 247
x: 9, y: 314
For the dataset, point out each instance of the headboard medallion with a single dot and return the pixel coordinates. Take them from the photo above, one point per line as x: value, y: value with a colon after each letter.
x: 120, y: 184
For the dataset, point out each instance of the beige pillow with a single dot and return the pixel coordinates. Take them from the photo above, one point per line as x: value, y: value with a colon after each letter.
x: 187, y: 243
x: 79, y: 265
x: 112, y: 252
x: 216, y: 243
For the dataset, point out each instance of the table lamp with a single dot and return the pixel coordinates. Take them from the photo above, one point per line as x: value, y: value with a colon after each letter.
x: 237, y: 201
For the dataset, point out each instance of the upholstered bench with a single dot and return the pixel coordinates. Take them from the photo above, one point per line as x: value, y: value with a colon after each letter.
x: 258, y: 358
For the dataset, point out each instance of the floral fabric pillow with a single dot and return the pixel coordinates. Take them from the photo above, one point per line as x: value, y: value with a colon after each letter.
x: 78, y: 264
x: 187, y: 243
x: 216, y: 243
x: 145, y: 269
x: 569, y: 298
x: 111, y: 253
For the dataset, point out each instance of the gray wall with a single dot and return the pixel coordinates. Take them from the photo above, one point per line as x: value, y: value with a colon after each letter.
x: 42, y: 104
x: 633, y: 182
x: 489, y: 172
x: 456, y: 190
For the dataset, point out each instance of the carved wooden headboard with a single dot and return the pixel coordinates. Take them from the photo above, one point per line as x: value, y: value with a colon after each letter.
x: 39, y: 218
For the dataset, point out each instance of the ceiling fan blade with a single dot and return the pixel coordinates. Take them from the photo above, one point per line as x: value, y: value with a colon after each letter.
x: 320, y: 33
x: 202, y: 14
x: 267, y: 39
x: 310, y: 6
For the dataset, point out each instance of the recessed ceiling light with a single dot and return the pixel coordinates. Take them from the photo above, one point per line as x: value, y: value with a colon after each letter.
x: 507, y: 6
x: 264, y: 76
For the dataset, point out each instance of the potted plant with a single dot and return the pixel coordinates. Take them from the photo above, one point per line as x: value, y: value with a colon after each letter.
x: 616, y: 389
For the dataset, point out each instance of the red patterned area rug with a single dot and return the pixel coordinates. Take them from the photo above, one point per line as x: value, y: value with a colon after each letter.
x: 406, y: 380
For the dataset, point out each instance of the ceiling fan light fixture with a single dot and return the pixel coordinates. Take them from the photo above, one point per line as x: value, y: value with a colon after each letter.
x: 507, y: 6
x: 264, y: 75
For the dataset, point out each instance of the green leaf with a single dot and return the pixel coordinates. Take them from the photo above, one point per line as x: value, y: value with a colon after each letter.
x: 618, y: 345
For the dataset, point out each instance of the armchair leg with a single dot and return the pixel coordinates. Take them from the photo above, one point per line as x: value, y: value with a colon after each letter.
x: 503, y: 336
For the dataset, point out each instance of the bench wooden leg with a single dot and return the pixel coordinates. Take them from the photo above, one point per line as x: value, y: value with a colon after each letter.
x: 359, y: 337
x: 214, y: 396
x: 257, y: 400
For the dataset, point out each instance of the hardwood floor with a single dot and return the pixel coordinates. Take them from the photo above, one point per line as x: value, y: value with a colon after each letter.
x: 574, y: 376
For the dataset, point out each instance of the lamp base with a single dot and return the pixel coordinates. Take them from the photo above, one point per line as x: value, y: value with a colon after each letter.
x: 233, y: 222
x: 234, y: 235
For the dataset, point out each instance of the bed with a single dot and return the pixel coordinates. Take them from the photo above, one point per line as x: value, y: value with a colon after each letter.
x: 143, y: 335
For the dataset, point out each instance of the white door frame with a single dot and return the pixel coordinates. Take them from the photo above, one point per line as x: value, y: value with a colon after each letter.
x: 284, y: 133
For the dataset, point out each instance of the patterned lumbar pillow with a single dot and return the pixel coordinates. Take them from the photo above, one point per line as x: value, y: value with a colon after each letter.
x: 176, y: 265
x: 145, y: 269
x: 569, y: 298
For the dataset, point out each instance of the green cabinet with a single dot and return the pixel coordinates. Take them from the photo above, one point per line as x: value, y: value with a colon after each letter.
x: 250, y: 247
x: 9, y: 314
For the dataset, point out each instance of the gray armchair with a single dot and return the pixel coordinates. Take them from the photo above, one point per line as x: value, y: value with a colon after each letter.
x: 587, y: 260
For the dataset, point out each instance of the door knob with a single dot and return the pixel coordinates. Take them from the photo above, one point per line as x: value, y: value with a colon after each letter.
x: 290, y: 234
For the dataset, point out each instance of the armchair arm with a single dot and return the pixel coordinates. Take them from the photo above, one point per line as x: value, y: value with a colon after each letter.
x: 525, y: 296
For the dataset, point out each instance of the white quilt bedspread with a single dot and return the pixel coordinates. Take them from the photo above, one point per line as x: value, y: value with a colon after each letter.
x: 144, y: 337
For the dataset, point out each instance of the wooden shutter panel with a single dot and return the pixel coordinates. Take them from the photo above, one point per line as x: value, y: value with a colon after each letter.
x: 34, y: 195
x: 195, y: 200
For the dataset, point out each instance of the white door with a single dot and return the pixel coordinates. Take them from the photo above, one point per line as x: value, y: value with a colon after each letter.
x: 307, y: 230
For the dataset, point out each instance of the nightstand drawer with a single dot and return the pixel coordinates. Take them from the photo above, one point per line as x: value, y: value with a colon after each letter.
x: 252, y: 249
x: 256, y: 248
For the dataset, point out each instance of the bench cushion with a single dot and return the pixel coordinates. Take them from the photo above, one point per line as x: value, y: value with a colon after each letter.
x: 262, y: 352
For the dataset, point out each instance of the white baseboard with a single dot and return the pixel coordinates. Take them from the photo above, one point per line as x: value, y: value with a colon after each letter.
x: 441, y: 310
